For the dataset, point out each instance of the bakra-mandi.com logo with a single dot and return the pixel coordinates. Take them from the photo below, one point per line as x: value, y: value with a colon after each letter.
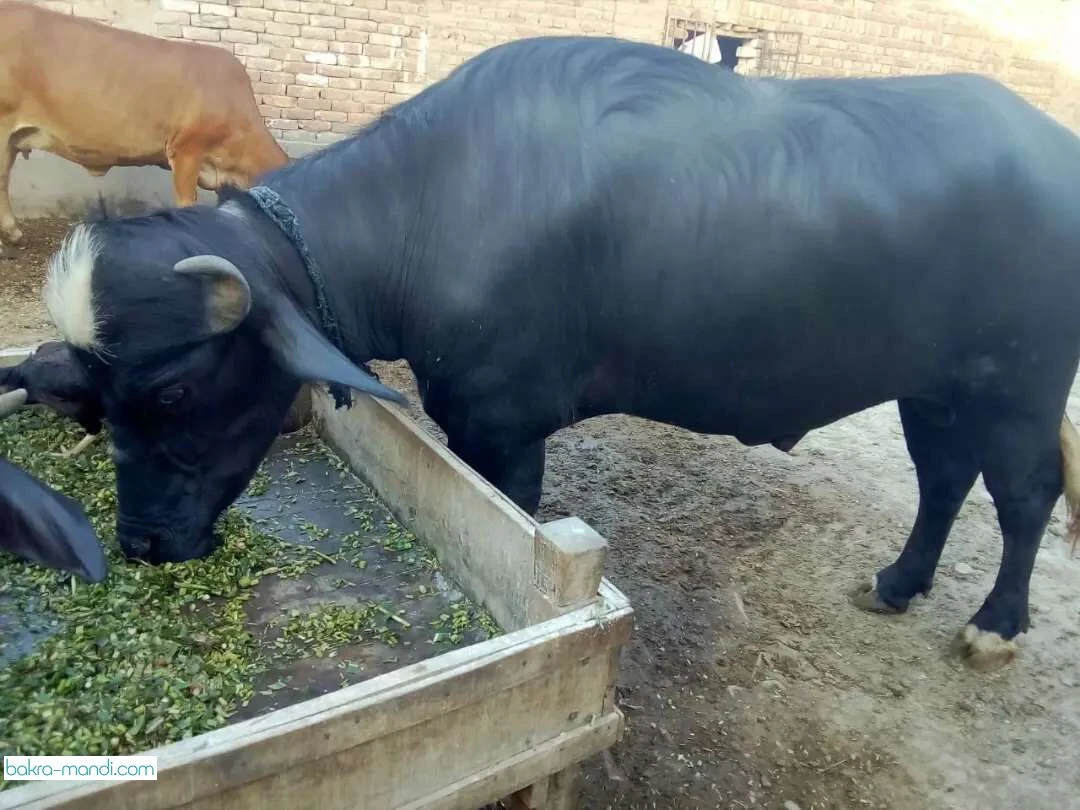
x: 78, y: 769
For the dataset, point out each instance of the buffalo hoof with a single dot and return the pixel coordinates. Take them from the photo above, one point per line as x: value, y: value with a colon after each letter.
x: 983, y: 650
x: 865, y: 596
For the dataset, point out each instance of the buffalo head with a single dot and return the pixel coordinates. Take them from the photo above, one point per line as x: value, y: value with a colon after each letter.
x: 194, y: 350
x: 41, y: 525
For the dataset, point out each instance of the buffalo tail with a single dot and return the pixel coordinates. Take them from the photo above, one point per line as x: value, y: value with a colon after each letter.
x: 1070, y: 461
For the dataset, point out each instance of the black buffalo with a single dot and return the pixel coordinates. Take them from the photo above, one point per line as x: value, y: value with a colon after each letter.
x: 567, y: 227
x: 42, y: 525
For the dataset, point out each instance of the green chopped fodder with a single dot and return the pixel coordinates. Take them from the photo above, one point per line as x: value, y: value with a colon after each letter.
x: 156, y: 654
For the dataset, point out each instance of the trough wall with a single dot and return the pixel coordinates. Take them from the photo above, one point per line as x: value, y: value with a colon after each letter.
x: 322, y: 68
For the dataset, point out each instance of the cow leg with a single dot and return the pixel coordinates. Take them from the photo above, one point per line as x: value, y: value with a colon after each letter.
x: 518, y: 473
x: 1022, y: 466
x: 946, y: 469
x: 185, y: 163
x: 9, y: 228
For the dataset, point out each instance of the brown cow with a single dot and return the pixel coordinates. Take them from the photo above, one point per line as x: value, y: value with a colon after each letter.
x: 103, y: 97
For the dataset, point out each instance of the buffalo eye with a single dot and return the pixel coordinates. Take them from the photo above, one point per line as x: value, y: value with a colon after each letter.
x: 170, y: 396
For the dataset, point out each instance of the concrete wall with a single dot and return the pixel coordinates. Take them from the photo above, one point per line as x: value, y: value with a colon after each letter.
x: 322, y: 68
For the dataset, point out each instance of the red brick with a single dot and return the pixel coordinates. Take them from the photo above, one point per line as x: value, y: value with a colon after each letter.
x: 244, y: 24
x: 268, y: 90
x: 351, y: 12
x: 164, y: 17
x: 315, y: 32
x: 209, y: 21
x: 186, y: 6
x: 361, y: 25
x: 275, y: 41
x: 346, y: 106
x: 351, y: 48
x: 346, y: 84
x: 240, y: 37
x: 345, y: 35
x: 201, y: 34
x: 298, y: 91
x: 384, y: 39
x: 217, y: 9
x: 327, y: 22
x: 259, y: 51
x: 283, y: 29
x: 290, y: 17
x: 304, y: 45
x: 353, y: 61
x: 267, y: 65
x: 255, y: 14
x: 277, y: 77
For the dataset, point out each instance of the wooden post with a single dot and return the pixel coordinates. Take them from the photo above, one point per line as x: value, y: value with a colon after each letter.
x: 568, y: 563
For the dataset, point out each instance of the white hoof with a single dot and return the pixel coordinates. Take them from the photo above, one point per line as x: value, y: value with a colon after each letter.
x: 984, y: 650
x: 866, y: 597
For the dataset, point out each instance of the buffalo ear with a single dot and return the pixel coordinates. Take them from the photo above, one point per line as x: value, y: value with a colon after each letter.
x: 306, y: 353
x: 43, y: 526
x: 228, y: 295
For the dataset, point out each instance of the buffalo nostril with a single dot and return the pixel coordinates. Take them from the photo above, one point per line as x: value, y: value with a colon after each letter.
x: 135, y: 546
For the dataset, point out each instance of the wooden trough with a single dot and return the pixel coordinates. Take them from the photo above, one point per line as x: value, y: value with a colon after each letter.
x: 505, y: 719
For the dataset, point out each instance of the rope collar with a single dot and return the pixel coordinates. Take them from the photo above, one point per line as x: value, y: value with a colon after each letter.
x: 271, y: 204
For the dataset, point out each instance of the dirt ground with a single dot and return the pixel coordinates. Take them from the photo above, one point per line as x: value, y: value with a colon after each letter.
x: 750, y: 680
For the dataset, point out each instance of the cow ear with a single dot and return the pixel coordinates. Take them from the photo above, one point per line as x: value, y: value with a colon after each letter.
x: 228, y: 296
x: 306, y: 354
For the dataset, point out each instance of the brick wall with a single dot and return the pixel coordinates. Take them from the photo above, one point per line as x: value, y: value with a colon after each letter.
x: 321, y: 68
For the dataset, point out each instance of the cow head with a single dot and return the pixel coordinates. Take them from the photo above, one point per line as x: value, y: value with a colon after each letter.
x: 194, y: 350
x: 41, y: 525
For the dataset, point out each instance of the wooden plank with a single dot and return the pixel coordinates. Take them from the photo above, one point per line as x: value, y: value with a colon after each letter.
x: 482, y: 539
x: 533, y: 765
x: 14, y: 356
x: 404, y: 768
x: 199, y: 769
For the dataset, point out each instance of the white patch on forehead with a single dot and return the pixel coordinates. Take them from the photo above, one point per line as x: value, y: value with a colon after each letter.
x: 68, y: 290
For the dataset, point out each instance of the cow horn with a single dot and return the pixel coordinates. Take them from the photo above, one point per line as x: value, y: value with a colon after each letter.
x: 12, y: 401
x: 229, y: 298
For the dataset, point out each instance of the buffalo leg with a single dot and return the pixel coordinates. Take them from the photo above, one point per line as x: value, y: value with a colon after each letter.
x: 946, y: 469
x: 518, y: 474
x: 1022, y: 467
x: 9, y: 228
